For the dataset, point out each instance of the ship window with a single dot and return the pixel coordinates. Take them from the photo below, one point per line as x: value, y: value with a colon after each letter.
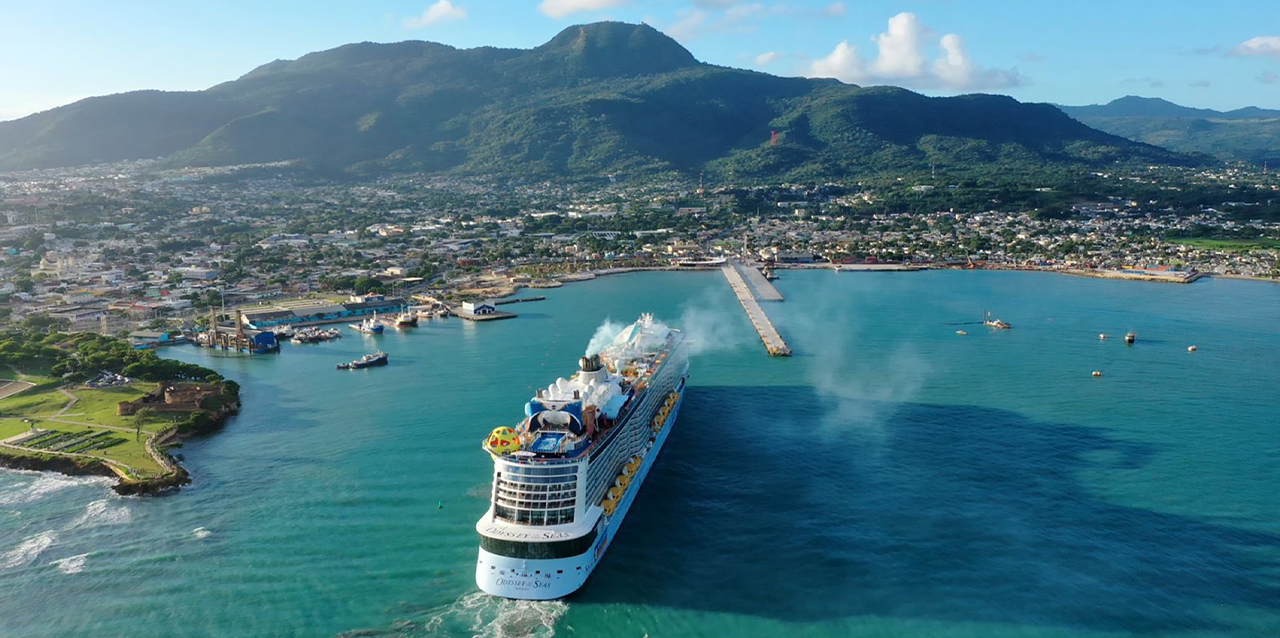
x: 554, y: 549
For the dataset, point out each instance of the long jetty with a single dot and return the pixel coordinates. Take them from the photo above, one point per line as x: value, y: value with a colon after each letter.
x: 768, y: 334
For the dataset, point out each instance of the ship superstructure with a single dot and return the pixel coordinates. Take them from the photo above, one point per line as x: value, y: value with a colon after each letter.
x: 566, y: 475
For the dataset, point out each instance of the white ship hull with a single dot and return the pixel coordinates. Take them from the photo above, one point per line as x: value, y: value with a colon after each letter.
x: 531, y: 579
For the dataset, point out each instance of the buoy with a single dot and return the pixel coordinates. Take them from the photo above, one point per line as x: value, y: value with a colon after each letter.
x: 1097, y: 373
x: 1191, y: 348
x: 440, y: 505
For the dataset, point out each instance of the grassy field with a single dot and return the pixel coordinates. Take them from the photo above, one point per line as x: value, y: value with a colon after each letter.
x: 96, y: 407
x: 1229, y: 245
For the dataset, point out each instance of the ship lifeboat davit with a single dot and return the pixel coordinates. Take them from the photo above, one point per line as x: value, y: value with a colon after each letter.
x: 503, y: 440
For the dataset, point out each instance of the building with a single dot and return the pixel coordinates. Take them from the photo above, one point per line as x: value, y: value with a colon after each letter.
x: 322, y: 313
x: 485, y: 307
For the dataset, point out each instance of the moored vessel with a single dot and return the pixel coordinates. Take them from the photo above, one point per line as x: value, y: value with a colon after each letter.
x: 566, y: 475
x: 369, y: 326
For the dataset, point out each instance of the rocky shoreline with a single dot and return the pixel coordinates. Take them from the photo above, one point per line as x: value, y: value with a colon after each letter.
x: 173, y: 478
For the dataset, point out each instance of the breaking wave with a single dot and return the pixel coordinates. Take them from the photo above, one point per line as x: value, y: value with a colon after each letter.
x: 71, y: 564
x: 28, y: 550
x: 46, y: 484
x: 200, y: 532
x: 103, y: 512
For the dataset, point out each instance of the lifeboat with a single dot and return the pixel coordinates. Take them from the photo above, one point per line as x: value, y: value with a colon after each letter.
x: 609, y: 505
x: 615, y: 494
x: 628, y: 471
x: 623, y: 481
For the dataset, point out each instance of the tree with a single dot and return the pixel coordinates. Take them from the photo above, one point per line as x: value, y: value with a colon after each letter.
x: 364, y: 285
x: 141, y: 415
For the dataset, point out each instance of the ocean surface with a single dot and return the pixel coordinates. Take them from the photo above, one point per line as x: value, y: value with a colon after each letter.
x: 893, y: 478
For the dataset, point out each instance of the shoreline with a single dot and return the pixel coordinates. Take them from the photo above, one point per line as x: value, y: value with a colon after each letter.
x: 174, y: 477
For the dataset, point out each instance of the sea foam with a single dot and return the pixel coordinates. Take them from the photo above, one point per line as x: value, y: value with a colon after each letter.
x: 28, y: 550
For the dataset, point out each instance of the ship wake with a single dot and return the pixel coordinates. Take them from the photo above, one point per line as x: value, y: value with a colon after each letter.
x: 480, y: 615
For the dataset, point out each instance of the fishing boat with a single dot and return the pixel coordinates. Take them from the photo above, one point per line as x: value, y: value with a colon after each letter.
x: 367, y: 361
x: 991, y: 322
x: 369, y: 326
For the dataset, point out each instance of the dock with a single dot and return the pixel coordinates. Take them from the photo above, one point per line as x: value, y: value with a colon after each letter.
x: 768, y: 334
x: 763, y: 288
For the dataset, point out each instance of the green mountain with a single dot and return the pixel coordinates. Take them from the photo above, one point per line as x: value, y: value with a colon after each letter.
x: 599, y: 98
x: 1250, y: 134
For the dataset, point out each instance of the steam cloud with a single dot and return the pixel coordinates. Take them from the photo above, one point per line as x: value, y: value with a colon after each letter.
x: 604, y: 335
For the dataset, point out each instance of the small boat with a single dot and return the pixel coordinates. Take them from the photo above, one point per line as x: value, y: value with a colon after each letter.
x: 1102, y: 336
x: 990, y: 322
x: 1130, y: 338
x: 369, y: 326
x: 367, y: 361
x: 962, y: 332
x: 404, y: 320
x: 1191, y: 348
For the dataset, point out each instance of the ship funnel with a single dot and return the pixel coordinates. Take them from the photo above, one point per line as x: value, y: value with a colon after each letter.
x: 590, y: 363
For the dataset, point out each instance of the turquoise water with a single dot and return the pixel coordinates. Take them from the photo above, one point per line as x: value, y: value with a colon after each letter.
x: 891, y: 479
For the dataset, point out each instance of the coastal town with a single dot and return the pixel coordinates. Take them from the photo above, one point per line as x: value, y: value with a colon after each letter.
x: 134, y: 248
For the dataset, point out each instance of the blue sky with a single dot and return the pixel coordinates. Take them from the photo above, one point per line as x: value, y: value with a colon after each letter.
x: 1223, y: 54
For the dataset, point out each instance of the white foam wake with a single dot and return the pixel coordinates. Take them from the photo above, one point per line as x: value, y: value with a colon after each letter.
x: 71, y: 564
x: 28, y: 550
x: 200, y: 532
x: 486, y: 616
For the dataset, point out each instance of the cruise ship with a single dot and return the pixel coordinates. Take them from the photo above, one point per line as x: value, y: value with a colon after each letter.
x: 566, y: 474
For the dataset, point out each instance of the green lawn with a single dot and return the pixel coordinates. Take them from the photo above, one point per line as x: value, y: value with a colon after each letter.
x: 96, y: 406
x: 12, y: 427
x: 42, y: 400
x: 1229, y: 245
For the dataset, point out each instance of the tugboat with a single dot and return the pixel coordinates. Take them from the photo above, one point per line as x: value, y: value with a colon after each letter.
x: 369, y: 326
x: 367, y: 361
x: 988, y: 321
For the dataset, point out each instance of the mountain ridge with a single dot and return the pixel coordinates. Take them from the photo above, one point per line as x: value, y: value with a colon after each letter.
x: 1249, y: 134
x: 597, y: 98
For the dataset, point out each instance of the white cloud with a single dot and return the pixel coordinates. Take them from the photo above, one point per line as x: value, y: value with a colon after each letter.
x: 835, y: 10
x: 1263, y: 45
x: 441, y: 11
x: 903, y: 58
x: 688, y: 26
x: 766, y: 58
x: 561, y: 8
x: 721, y: 17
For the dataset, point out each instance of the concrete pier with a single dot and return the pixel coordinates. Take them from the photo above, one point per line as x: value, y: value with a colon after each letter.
x: 763, y: 288
x: 768, y: 334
